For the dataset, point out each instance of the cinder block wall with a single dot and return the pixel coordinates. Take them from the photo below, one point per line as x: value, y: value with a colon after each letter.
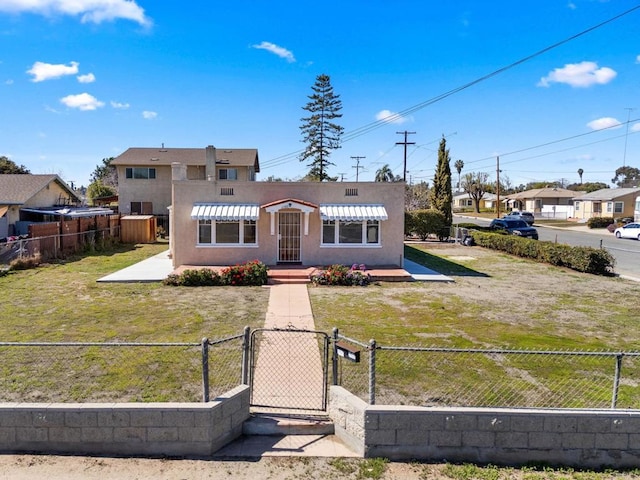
x: 584, y: 438
x: 164, y: 429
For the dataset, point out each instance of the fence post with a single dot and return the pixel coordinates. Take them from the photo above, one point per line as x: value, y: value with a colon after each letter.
x: 245, y: 355
x: 372, y: 372
x: 205, y: 369
x: 334, y: 357
x: 616, y: 381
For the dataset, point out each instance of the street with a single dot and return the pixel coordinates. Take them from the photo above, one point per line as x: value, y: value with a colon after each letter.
x: 625, y: 251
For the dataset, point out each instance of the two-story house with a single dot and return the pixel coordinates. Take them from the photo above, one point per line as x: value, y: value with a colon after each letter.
x: 144, y: 174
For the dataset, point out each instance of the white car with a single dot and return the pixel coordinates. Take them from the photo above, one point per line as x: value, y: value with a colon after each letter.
x: 630, y: 230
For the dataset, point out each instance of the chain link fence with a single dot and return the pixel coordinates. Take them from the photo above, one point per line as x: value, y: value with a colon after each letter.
x: 490, y: 378
x: 387, y: 375
x: 119, y: 372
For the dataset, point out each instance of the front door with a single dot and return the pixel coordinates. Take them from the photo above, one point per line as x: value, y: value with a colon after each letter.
x: 289, y: 237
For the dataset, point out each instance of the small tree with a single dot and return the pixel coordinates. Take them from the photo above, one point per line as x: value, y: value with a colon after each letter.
x: 319, y: 131
x: 8, y: 166
x: 426, y: 222
x: 98, y: 189
x: 475, y: 184
x: 580, y: 172
x: 441, y: 197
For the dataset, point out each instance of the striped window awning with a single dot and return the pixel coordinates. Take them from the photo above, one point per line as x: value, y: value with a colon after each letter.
x: 353, y: 212
x: 219, y: 211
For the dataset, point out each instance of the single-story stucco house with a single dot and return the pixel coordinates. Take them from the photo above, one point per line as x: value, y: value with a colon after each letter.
x: 27, y: 197
x: 463, y: 201
x: 607, y: 202
x: 221, y: 220
x: 537, y: 199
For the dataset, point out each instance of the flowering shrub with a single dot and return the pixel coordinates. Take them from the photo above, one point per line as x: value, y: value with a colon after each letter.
x: 252, y: 273
x: 341, y: 275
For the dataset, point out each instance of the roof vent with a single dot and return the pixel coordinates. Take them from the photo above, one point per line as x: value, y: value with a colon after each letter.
x: 155, y: 159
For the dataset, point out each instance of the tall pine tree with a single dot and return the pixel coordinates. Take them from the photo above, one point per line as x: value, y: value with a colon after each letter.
x: 441, y: 196
x: 319, y: 131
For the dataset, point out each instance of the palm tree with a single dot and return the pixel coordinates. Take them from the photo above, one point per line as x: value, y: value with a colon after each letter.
x: 580, y: 172
x: 384, y: 174
x: 459, y: 164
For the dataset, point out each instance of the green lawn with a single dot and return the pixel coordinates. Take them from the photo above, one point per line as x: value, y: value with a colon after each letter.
x: 496, y: 301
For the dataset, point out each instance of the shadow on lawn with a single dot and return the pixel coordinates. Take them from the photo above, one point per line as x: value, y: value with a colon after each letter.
x: 439, y: 264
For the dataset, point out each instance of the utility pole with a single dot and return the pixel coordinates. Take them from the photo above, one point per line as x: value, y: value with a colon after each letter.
x: 357, y: 165
x: 342, y: 176
x: 498, y: 187
x: 405, y: 143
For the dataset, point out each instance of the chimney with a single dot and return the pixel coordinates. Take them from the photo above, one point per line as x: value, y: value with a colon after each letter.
x: 210, y: 170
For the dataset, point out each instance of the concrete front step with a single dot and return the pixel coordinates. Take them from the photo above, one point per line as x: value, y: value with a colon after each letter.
x: 269, y: 424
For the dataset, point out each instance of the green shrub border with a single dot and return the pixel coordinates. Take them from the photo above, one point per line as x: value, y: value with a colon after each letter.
x: 582, y: 259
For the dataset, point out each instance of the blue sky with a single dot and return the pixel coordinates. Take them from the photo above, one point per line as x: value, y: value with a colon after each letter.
x: 85, y: 80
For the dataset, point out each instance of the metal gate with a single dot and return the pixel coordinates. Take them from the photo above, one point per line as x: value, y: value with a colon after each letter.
x: 289, y: 369
x: 289, y: 237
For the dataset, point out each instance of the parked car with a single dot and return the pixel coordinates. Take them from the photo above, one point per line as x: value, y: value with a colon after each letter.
x: 514, y: 226
x: 630, y: 230
x: 526, y: 216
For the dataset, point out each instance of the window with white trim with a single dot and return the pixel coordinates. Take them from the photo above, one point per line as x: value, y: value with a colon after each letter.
x: 227, y: 232
x: 343, y: 232
x: 618, y: 207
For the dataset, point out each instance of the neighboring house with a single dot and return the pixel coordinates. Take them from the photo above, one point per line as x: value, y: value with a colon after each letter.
x: 144, y: 174
x: 31, y: 198
x: 219, y: 221
x: 463, y: 201
x: 608, y: 202
x: 540, y: 199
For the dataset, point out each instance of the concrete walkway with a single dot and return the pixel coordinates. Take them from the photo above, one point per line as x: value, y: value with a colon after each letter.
x: 288, y: 371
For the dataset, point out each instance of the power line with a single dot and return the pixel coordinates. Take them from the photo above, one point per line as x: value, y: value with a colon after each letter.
x: 403, y: 113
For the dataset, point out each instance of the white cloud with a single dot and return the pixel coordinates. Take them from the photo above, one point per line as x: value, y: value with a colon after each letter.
x: 638, y: 59
x: 604, y: 122
x: 46, y: 71
x: 119, y: 106
x: 88, y: 78
x: 583, y: 74
x: 572, y: 6
x: 276, y: 50
x: 388, y: 116
x: 149, y: 115
x: 82, y: 101
x: 9, y: 82
x: 635, y: 127
x: 94, y: 11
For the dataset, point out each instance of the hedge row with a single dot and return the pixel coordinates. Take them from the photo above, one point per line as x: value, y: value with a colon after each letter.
x: 581, y: 259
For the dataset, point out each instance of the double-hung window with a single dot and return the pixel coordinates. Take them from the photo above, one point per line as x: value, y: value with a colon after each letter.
x: 352, y: 232
x: 227, y: 232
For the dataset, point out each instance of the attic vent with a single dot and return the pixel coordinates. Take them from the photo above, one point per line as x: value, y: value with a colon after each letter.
x: 226, y: 191
x: 351, y: 192
x: 155, y: 159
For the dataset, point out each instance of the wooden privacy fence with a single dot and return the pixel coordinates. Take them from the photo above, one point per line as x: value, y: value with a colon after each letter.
x: 57, y: 239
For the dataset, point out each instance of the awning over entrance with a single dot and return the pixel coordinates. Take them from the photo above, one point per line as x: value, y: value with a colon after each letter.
x: 353, y: 212
x: 218, y: 211
x: 3, y: 209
